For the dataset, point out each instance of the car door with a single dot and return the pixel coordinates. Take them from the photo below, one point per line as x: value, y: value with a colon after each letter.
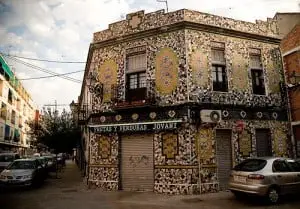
x: 284, y: 177
x: 39, y: 170
x: 295, y: 166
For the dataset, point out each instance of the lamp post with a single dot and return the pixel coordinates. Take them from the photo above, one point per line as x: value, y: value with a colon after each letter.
x: 74, y: 110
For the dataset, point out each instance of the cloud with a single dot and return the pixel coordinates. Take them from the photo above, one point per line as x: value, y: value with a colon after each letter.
x: 63, y: 29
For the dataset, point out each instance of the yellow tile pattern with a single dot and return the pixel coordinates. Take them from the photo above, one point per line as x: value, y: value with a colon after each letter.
x: 170, y: 145
x: 166, y: 67
x: 200, y: 66
x: 108, y: 76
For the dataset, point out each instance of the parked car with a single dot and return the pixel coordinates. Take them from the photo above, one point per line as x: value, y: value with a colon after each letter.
x: 6, y: 159
x: 270, y: 177
x: 50, y: 163
x: 23, y: 172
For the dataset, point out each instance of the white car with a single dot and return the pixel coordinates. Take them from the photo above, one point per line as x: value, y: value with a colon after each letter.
x: 23, y: 172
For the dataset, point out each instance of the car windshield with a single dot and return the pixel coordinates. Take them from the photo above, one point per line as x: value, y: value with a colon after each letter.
x: 21, y: 165
x: 251, y: 165
x: 6, y: 158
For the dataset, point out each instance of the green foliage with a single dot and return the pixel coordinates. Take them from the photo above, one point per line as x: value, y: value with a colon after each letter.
x: 55, y: 130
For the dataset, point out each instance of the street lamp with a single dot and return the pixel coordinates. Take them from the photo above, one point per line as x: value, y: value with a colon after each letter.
x: 73, y: 107
x: 74, y: 110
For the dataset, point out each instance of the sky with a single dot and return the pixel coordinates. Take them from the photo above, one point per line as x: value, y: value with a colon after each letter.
x: 61, y: 30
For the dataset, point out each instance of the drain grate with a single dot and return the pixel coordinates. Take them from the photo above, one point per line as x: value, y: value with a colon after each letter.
x: 192, y: 200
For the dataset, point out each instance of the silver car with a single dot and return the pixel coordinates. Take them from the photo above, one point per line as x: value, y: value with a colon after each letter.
x: 23, y: 172
x: 6, y: 159
x: 269, y: 177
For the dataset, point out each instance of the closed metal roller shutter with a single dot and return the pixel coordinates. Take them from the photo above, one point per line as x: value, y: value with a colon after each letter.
x: 263, y: 143
x: 137, y: 163
x: 224, y: 158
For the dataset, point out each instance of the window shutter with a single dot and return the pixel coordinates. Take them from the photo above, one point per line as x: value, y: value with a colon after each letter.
x: 218, y: 56
x: 255, y: 61
x: 136, y: 63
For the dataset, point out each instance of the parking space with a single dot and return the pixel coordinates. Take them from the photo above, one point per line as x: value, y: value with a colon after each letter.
x: 67, y: 190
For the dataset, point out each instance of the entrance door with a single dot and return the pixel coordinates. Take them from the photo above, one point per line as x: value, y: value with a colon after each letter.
x: 137, y: 172
x: 263, y: 143
x: 224, y: 158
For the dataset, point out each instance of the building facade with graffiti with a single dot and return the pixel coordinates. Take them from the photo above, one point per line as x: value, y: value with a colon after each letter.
x: 172, y: 101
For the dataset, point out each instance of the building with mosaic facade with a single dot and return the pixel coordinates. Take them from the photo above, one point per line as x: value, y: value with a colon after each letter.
x: 172, y: 101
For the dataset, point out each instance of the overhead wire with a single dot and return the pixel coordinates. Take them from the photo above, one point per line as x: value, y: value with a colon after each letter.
x: 51, y: 76
x: 43, y: 60
x: 42, y: 69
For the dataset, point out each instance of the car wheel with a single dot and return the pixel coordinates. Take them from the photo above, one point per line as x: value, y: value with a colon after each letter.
x: 273, y: 195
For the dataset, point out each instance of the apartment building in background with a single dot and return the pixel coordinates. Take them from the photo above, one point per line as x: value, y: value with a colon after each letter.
x: 17, y: 108
x: 290, y: 47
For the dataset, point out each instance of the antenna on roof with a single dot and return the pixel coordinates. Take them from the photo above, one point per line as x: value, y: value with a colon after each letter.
x: 166, y: 1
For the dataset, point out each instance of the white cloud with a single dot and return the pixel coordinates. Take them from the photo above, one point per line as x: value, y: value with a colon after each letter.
x: 63, y: 29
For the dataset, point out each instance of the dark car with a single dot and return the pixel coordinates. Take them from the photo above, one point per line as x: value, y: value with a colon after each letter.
x: 23, y: 172
x: 50, y: 163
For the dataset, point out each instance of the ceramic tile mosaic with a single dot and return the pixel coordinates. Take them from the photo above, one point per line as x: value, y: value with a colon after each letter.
x: 108, y: 76
x: 104, y: 147
x: 166, y: 71
x: 139, y: 21
x: 96, y: 157
x: 170, y: 145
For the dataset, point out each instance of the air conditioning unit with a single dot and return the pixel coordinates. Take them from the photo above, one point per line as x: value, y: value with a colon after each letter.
x: 210, y: 116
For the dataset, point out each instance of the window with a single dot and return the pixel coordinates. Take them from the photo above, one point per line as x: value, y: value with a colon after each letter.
x: 219, y: 73
x: 3, y: 111
x: 280, y: 166
x: 219, y: 78
x: 13, y: 117
x: 294, y: 165
x: 137, y: 80
x: 251, y: 165
x: 1, y: 131
x: 10, y: 96
x: 136, y: 85
x: 258, y: 83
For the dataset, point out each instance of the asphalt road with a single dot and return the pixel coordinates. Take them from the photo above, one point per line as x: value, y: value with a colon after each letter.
x: 68, y: 192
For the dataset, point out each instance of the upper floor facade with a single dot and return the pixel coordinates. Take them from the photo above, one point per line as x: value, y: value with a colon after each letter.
x: 17, y: 108
x: 182, y: 57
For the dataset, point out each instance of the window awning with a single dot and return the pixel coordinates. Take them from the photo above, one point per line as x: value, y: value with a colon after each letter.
x: 17, y: 133
x: 6, y: 68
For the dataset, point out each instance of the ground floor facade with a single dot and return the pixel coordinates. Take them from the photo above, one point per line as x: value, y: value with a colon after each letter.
x: 175, y: 155
x: 13, y: 147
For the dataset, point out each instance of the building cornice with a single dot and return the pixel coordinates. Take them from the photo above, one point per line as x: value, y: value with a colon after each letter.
x: 296, y: 49
x: 182, y: 26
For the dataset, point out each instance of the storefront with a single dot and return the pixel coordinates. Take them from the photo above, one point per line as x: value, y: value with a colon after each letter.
x: 161, y: 150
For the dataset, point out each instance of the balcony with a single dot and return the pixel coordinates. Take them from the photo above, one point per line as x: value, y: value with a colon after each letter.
x: 133, y: 97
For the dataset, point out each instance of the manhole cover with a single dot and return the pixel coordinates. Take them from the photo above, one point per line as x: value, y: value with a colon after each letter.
x: 69, y: 190
x: 192, y: 200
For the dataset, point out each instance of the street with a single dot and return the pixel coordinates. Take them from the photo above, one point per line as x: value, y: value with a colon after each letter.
x: 68, y: 191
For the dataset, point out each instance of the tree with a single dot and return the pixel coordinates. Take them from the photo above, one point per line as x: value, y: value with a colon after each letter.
x: 55, y: 130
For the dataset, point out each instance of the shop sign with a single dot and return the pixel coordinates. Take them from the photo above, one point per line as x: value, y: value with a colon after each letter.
x: 135, y: 127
